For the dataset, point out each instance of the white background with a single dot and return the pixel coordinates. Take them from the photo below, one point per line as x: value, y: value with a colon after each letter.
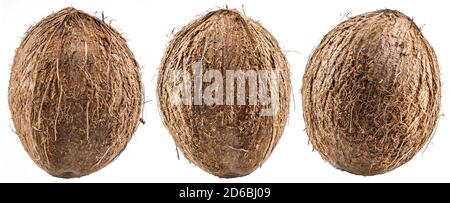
x: 151, y: 155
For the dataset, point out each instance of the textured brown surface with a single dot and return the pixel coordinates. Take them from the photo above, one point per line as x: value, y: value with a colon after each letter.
x: 227, y: 141
x: 75, y: 93
x: 371, y: 93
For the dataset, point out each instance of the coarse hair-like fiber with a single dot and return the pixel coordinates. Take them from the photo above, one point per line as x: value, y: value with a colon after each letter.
x: 225, y: 140
x: 371, y: 93
x: 75, y: 93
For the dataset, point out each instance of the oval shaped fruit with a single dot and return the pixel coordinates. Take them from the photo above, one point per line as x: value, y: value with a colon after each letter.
x: 222, y: 120
x: 75, y: 93
x: 371, y: 93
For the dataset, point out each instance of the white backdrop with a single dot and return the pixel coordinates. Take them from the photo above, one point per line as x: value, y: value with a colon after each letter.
x: 151, y: 155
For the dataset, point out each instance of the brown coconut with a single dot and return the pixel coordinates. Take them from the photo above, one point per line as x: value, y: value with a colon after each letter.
x: 225, y: 140
x: 75, y: 93
x: 371, y: 93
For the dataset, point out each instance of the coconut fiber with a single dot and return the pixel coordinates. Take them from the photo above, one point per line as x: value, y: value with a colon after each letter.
x: 225, y: 140
x: 75, y: 93
x: 371, y: 93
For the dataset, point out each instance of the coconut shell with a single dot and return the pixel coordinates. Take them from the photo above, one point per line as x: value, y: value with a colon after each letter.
x: 75, y: 93
x: 224, y: 140
x: 371, y: 93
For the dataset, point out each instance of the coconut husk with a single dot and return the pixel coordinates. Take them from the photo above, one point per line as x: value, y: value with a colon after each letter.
x: 371, y: 93
x: 75, y: 93
x: 225, y: 140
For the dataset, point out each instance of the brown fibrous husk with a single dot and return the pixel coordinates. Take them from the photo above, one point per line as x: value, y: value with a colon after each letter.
x: 75, y: 93
x: 371, y: 93
x: 225, y: 140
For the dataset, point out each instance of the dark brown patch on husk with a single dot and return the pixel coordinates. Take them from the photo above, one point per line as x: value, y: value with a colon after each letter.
x: 75, y: 93
x: 225, y: 140
x: 371, y: 93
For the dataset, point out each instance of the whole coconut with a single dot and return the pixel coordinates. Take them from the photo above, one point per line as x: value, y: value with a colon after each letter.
x: 371, y: 93
x: 225, y: 140
x: 75, y: 93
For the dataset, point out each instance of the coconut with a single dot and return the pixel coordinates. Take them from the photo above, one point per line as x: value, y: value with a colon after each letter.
x: 75, y: 93
x: 371, y: 93
x: 228, y: 137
